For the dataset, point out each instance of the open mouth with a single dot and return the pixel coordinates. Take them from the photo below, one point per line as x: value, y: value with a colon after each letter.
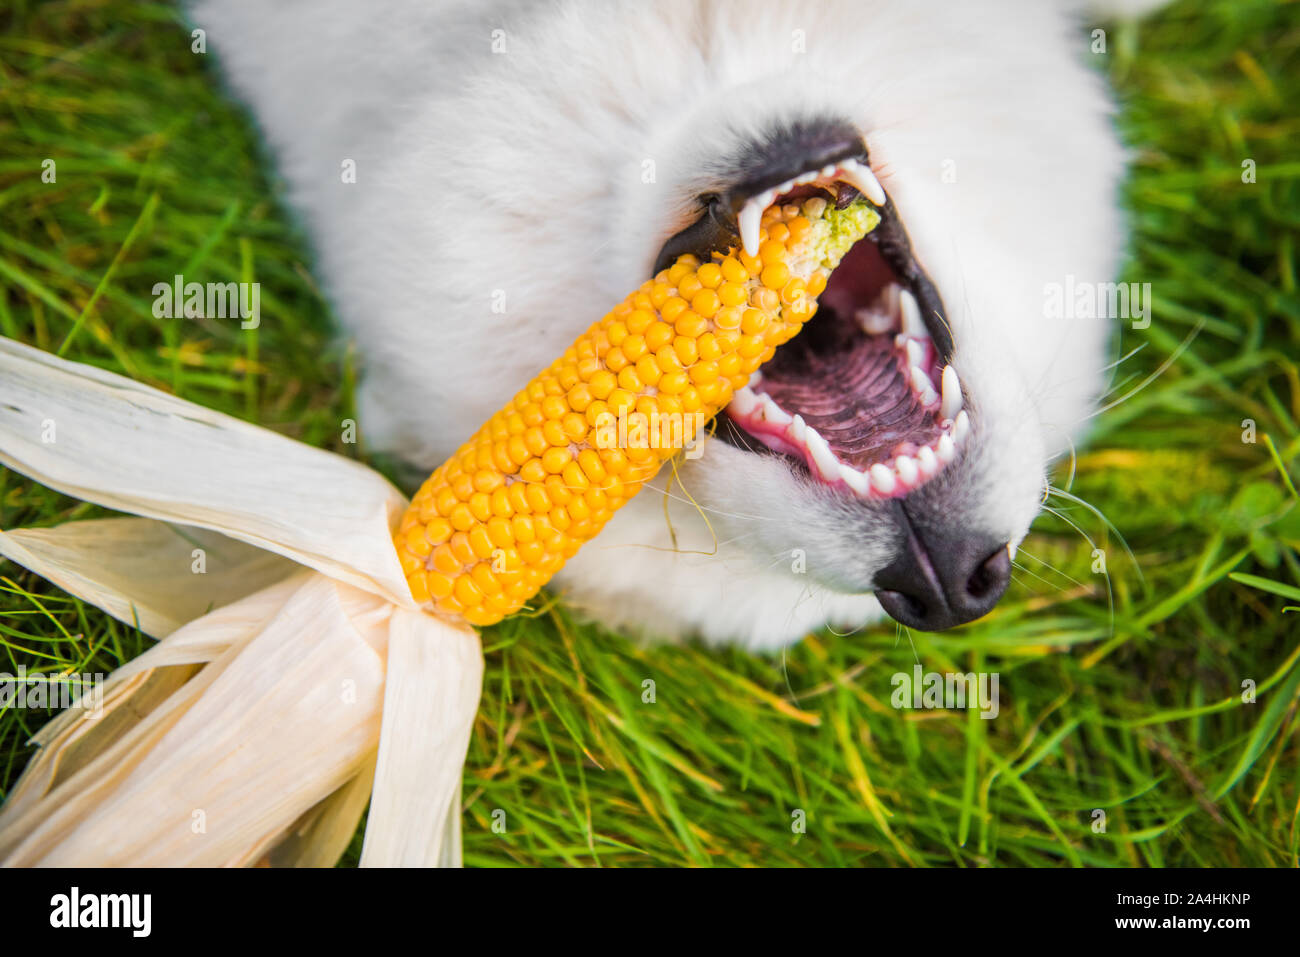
x: 865, y: 397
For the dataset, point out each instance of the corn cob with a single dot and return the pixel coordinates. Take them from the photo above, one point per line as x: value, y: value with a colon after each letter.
x: 491, y: 526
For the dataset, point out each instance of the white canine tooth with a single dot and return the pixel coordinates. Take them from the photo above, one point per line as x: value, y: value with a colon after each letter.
x: 822, y: 455
x: 882, y: 480
x: 854, y: 479
x: 829, y: 171
x: 913, y: 325
x: 756, y: 377
x: 946, y: 449
x: 863, y: 180
x: 891, y: 298
x: 873, y: 322
x: 906, y: 469
x: 805, y: 178
x: 799, y: 428
x: 951, y: 394
x: 744, y: 402
x: 927, y: 461
x: 921, y: 381
x: 751, y: 215
x: 960, y: 427
x: 915, y: 353
x: 774, y: 413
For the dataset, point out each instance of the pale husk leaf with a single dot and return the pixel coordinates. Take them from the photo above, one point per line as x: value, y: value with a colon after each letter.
x: 70, y: 740
x: 106, y: 439
x: 321, y: 836
x: 132, y: 692
x: 435, y: 676
x: 143, y: 572
x: 283, y: 718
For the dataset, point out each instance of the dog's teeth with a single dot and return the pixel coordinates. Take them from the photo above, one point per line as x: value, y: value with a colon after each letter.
x: 806, y: 177
x: 915, y: 354
x: 814, y: 207
x: 951, y: 394
x: 855, y: 480
x: 822, y: 455
x: 927, y: 461
x: 764, y: 200
x: 882, y: 480
x: 749, y: 219
x: 863, y: 180
x: 912, y: 323
x: 921, y: 382
x: 906, y: 469
x: 891, y: 299
x: 756, y: 377
x: 829, y: 171
x: 774, y: 413
x: 873, y: 322
x: 960, y: 427
x: 945, y: 449
x: 744, y: 402
x: 799, y: 428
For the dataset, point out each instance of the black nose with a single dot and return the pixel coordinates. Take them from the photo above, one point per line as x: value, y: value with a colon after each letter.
x: 940, y: 582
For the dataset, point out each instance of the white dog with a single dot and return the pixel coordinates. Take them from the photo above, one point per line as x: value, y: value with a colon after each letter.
x: 482, y: 181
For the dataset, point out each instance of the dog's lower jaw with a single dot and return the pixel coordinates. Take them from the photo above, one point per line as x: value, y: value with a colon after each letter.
x: 699, y: 587
x: 732, y: 547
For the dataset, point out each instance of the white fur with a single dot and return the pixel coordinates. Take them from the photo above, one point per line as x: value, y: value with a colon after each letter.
x: 522, y: 171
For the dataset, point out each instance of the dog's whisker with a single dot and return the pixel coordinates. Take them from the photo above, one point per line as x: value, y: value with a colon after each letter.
x: 1021, y: 583
x: 1163, y: 367
x: 1021, y: 551
x: 1071, y: 497
x: 1049, y: 584
x: 706, y: 508
x: 1110, y: 591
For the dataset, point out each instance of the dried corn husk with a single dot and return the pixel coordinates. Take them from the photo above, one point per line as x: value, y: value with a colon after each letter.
x: 252, y: 731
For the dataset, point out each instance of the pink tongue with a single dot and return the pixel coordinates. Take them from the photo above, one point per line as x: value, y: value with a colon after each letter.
x: 853, y: 391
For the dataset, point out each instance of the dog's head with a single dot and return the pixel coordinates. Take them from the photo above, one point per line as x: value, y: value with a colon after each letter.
x: 892, y: 455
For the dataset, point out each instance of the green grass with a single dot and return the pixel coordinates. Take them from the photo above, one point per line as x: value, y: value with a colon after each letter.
x: 1121, y: 694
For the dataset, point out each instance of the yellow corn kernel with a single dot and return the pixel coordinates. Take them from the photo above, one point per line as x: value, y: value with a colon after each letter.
x: 497, y: 520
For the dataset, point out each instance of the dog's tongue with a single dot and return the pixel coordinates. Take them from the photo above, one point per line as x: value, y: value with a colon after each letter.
x: 852, y: 389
